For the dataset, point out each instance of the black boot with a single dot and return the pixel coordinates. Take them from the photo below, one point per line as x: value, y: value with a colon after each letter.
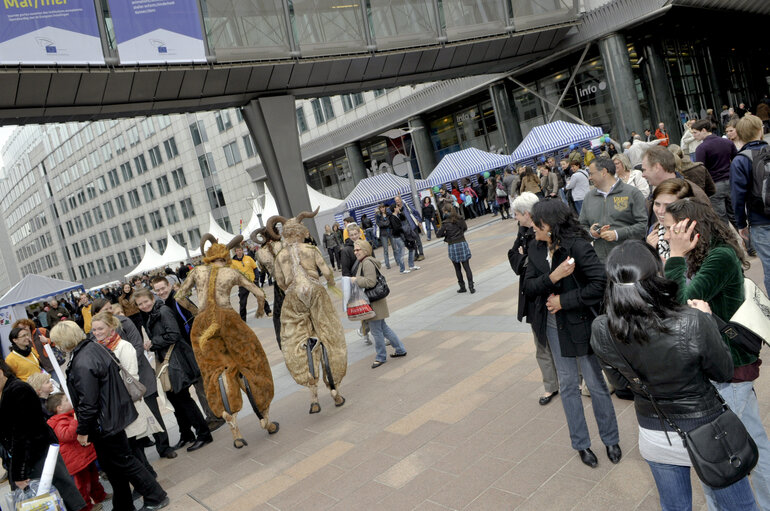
x: 462, y: 287
x: 472, y: 289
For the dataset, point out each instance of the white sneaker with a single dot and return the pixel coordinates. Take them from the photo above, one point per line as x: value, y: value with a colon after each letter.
x: 413, y: 268
x: 404, y: 271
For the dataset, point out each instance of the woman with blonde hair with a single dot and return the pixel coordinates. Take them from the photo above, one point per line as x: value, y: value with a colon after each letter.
x: 630, y: 175
x: 42, y: 384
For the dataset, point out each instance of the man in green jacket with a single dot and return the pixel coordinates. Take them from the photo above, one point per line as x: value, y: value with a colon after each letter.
x: 614, y: 211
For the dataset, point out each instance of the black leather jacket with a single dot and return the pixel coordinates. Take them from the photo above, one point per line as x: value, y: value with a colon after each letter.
x: 676, y: 367
x: 163, y: 330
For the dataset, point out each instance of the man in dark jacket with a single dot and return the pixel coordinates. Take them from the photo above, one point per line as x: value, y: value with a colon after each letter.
x: 56, y: 313
x: 716, y: 153
x: 104, y: 409
x: 411, y: 220
x: 383, y: 222
x: 167, y: 341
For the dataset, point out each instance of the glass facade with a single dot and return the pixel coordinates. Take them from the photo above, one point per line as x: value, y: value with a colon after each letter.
x: 473, y: 125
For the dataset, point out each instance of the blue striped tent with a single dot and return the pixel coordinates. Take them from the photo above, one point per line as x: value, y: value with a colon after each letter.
x: 553, y: 136
x: 465, y: 163
x: 372, y: 191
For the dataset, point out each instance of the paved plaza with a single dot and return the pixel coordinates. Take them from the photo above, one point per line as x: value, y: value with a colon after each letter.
x: 454, y: 425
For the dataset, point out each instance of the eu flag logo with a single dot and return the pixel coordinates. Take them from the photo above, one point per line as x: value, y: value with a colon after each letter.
x: 162, y: 49
x: 50, y: 49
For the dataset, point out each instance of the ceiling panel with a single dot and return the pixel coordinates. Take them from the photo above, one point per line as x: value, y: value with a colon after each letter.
x: 300, y: 75
x: 144, y: 86
x: 63, y: 89
x: 237, y: 80
x: 169, y: 84
x: 8, y: 84
x: 192, y: 84
x: 91, y: 88
x: 216, y: 82
x: 33, y: 89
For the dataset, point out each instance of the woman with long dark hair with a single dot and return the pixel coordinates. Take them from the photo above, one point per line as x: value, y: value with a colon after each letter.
x: 675, y: 351
x: 453, y: 231
x: 565, y: 272
x: 707, y: 262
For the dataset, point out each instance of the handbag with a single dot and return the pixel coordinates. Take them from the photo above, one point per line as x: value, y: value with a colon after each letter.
x: 500, y: 192
x: 134, y: 387
x: 380, y: 289
x: 749, y: 327
x: 358, y: 306
x: 164, y: 380
x: 722, y: 452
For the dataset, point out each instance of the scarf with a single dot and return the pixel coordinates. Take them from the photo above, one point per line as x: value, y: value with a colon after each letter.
x: 110, y: 342
x: 24, y: 352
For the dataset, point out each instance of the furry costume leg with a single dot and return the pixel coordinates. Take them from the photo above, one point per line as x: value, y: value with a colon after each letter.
x: 228, y: 415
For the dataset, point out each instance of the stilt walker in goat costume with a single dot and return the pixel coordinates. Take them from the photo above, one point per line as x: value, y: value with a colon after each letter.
x: 226, y: 348
x: 312, y: 338
x: 269, y: 247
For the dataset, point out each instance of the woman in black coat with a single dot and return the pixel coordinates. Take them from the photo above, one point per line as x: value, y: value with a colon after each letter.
x: 563, y: 270
x: 163, y: 331
x: 531, y: 308
x: 25, y: 437
x: 453, y: 231
x: 104, y: 408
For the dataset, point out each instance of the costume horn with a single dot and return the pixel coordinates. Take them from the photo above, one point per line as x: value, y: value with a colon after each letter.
x: 270, y: 228
x: 235, y: 242
x: 207, y: 237
x: 307, y: 214
x: 256, y: 234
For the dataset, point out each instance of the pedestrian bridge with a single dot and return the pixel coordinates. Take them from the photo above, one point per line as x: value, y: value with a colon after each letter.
x: 251, y: 49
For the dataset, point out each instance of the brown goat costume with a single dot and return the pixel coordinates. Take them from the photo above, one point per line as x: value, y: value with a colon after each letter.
x: 228, y: 351
x: 312, y: 338
x: 270, y: 245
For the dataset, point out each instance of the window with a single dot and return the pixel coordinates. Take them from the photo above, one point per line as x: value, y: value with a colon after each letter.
x: 301, y: 121
x: 91, y: 269
x: 135, y: 256
x: 72, y: 201
x: 148, y: 127
x: 94, y: 242
x: 84, y: 168
x: 351, y: 101
x: 76, y: 250
x: 112, y: 175
x: 232, y: 154
x: 101, y: 184
x: 378, y: 92
x: 82, y: 270
x: 99, y: 127
x: 164, y: 121
x: 195, y: 237
x: 179, y: 179
x: 318, y: 112
x: 128, y: 230
x: 187, y: 208
x: 156, y: 220
x: 223, y: 120
x: 248, y: 143
x: 171, y: 216
x: 120, y: 202
x: 104, y: 238
x: 88, y: 219
x: 141, y: 164
x: 70, y: 228
x: 141, y: 225
x: 98, y: 214
x: 161, y: 243
x: 106, y: 152
x: 120, y: 144
x: 163, y: 186
x: 81, y: 195
x: 149, y: 194
x: 179, y: 238
x: 94, y: 157
x: 133, y: 198
x: 84, y: 247
x: 64, y: 207
x: 171, y: 150
x: 206, y: 163
x: 109, y: 211
x: 122, y: 259
x: 216, y: 197
x: 198, y: 133
x: 155, y: 158
x: 88, y: 133
x: 224, y: 223
x: 125, y: 168
x: 100, y: 266
x: 133, y: 135
x: 111, y: 263
x: 91, y: 190
x: 78, y: 224
x: 115, y: 233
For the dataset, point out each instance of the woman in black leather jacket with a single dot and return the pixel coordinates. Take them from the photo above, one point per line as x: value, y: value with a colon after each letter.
x: 453, y: 231
x: 564, y: 271
x: 675, y: 351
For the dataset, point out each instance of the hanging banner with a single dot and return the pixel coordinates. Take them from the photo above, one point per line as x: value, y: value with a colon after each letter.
x: 157, y: 31
x: 49, y: 32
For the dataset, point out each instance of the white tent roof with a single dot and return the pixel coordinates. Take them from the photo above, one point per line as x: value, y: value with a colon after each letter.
x: 220, y: 234
x: 174, y: 253
x: 34, y: 288
x: 317, y: 199
x: 151, y: 261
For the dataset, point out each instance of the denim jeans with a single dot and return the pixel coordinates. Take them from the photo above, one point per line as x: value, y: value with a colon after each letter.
x: 428, y: 224
x: 742, y: 400
x: 380, y: 330
x: 569, y: 388
x: 578, y: 205
x: 384, y: 238
x: 760, y: 238
x: 545, y: 361
x: 721, y: 201
x: 675, y: 490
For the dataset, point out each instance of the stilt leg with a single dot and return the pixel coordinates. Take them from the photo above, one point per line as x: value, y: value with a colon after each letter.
x: 338, y: 399
x: 229, y: 416
x: 264, y: 420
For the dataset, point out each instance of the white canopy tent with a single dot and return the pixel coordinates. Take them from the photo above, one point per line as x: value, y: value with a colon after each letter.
x: 174, y: 253
x: 150, y: 261
x: 220, y: 234
x: 317, y: 200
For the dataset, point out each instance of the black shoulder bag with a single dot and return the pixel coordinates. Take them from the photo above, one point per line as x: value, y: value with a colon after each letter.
x: 722, y: 452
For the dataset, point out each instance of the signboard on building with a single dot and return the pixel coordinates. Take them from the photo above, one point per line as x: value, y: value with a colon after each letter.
x: 158, y: 31
x: 49, y: 32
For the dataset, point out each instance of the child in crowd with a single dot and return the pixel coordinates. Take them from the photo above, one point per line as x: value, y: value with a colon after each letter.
x: 80, y: 460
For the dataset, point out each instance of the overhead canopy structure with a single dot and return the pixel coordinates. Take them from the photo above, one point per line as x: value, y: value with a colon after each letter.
x: 220, y: 234
x: 34, y: 288
x: 465, y: 163
x: 378, y: 188
x: 553, y: 136
x: 150, y: 261
x: 319, y: 200
x: 174, y: 253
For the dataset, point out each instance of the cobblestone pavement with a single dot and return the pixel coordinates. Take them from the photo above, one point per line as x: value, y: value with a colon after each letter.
x: 454, y: 425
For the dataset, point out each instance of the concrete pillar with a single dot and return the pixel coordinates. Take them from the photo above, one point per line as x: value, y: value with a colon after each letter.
x: 355, y: 161
x: 426, y: 158
x: 506, y: 115
x: 278, y: 146
x: 660, y: 93
x: 620, y: 79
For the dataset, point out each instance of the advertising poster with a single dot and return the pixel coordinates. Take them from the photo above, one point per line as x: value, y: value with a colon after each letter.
x: 49, y: 32
x: 157, y: 31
